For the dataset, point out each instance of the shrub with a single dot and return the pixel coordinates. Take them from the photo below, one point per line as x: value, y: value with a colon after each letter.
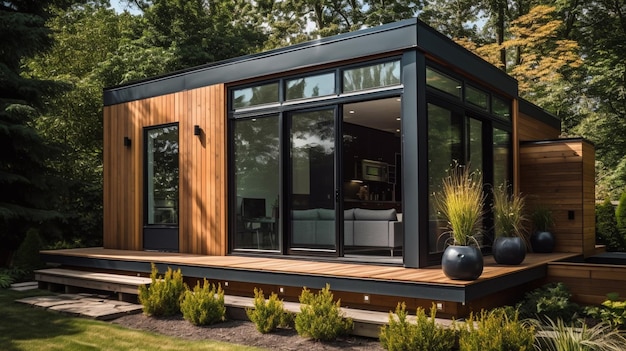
x: 606, y: 227
x: 204, y: 305
x: 499, y: 329
x: 27, y: 256
x: 557, y: 336
x: 320, y: 318
x: 425, y: 334
x: 268, y: 315
x: 162, y: 297
x: 551, y: 301
x: 612, y: 312
x: 10, y: 275
x: 620, y: 213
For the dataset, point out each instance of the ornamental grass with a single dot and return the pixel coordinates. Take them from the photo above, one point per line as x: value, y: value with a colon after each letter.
x: 461, y: 203
x: 508, y: 212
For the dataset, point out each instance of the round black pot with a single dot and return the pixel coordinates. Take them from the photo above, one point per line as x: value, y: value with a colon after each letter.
x: 462, y: 262
x: 542, y: 242
x: 509, y: 250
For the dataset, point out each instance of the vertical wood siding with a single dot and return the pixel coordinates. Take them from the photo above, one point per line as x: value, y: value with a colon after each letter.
x: 202, y: 162
x: 529, y: 128
x: 560, y: 175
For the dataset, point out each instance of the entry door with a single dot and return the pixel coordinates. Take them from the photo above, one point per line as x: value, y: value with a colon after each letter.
x: 312, y: 184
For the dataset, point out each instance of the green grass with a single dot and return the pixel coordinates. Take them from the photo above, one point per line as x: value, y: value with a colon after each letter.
x: 26, y: 328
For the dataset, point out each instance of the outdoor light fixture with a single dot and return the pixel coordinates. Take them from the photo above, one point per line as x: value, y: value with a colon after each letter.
x: 197, y: 130
x: 127, y: 141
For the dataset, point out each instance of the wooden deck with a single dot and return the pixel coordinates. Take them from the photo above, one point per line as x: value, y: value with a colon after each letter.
x: 380, y: 286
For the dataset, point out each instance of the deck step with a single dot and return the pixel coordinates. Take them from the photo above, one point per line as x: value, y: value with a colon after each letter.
x: 122, y: 285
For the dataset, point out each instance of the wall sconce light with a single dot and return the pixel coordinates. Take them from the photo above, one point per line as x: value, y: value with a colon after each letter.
x: 127, y: 141
x: 197, y: 130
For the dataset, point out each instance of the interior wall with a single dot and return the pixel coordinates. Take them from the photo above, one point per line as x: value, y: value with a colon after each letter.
x: 202, y: 167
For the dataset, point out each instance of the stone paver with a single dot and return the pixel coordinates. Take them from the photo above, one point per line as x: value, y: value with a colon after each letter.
x: 83, y: 305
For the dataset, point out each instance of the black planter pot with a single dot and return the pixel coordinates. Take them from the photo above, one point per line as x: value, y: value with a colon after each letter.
x: 462, y: 262
x: 509, y: 250
x: 542, y: 242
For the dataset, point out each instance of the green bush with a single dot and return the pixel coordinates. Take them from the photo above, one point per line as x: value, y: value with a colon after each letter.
x: 27, y: 256
x: 9, y: 276
x: 204, y: 305
x: 268, y: 315
x: 425, y: 334
x: 612, y: 312
x: 620, y: 213
x: 321, y: 318
x: 499, y: 329
x: 607, y: 232
x: 162, y: 297
x: 551, y: 301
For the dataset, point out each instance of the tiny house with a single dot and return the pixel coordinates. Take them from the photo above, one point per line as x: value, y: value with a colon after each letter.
x: 329, y: 151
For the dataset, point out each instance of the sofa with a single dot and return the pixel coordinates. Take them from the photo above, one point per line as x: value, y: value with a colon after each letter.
x: 363, y: 228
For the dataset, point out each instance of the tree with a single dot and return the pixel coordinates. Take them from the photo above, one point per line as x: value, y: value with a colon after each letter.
x: 202, y: 31
x: 28, y: 186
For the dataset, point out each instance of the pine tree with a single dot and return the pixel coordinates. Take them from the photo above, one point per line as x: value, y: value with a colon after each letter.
x: 26, y: 198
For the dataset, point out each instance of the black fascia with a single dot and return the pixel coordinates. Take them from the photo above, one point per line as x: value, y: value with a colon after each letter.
x: 446, y: 50
x: 528, y: 108
x: 386, y: 38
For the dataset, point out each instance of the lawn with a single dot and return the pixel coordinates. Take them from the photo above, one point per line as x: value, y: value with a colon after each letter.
x: 25, y: 328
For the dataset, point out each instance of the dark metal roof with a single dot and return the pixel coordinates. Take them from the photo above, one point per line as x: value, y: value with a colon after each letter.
x: 402, y: 35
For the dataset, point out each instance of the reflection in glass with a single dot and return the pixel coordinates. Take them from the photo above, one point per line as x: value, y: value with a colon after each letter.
x: 443, y: 82
x: 257, y: 95
x: 477, y: 97
x: 162, y: 175
x: 475, y: 144
x: 369, y: 77
x: 312, y: 86
x: 501, y: 156
x: 444, y: 148
x: 312, y: 186
x: 501, y: 108
x: 256, y: 152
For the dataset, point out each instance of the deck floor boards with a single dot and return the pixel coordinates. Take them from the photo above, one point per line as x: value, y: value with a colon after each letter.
x: 429, y: 275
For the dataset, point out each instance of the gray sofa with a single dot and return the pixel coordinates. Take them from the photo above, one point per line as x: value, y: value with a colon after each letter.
x: 362, y: 228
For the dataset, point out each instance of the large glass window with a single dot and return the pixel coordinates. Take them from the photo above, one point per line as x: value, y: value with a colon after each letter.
x: 370, y: 77
x: 444, y: 149
x: 475, y: 144
x: 256, y: 164
x: 257, y: 95
x: 501, y: 108
x: 443, y: 82
x: 477, y: 97
x: 162, y: 175
x: 311, y: 86
x: 501, y: 156
x: 312, y: 190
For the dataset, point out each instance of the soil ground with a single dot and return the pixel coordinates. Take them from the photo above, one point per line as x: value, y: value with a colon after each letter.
x: 243, y: 333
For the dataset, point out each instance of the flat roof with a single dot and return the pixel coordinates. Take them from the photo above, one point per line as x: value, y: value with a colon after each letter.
x: 392, y: 37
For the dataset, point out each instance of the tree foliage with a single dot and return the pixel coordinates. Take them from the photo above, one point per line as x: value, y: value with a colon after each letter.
x: 28, y: 186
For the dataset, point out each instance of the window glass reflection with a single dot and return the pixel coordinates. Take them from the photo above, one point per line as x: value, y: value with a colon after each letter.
x: 312, y: 86
x: 369, y: 77
x: 444, y: 148
x: 476, y: 97
x: 501, y: 108
x: 443, y: 82
x: 256, y: 167
x: 162, y: 175
x: 257, y: 95
x: 501, y: 156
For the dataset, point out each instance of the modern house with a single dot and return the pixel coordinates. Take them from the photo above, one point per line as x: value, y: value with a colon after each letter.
x: 319, y: 162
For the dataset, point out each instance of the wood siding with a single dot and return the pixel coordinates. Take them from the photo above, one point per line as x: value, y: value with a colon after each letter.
x: 589, y: 283
x: 560, y: 174
x: 529, y: 128
x: 202, y: 169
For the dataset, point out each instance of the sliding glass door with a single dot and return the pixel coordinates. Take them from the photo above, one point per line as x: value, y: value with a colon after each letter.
x: 312, y: 181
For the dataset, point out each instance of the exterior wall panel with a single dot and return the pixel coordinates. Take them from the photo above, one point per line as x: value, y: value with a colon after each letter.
x: 202, y: 167
x: 559, y: 175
